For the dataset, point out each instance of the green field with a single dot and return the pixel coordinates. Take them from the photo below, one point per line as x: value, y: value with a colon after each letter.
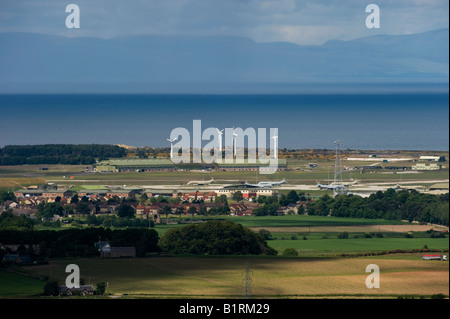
x: 12, y: 284
x: 334, y: 246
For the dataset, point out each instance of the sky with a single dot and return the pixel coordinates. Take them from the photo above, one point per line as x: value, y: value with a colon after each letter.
x: 304, y: 22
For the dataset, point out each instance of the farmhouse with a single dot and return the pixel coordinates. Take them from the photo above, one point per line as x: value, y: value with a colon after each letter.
x: 116, y: 252
x: 82, y: 290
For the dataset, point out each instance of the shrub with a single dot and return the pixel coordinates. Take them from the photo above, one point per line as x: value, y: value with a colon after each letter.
x: 294, y: 237
x: 410, y: 234
x: 343, y: 235
x: 438, y: 296
x: 265, y: 234
x: 367, y: 235
x: 51, y: 288
x: 290, y: 252
x: 100, y: 288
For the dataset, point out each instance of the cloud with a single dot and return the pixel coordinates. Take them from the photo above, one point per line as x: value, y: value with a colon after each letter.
x: 299, y: 21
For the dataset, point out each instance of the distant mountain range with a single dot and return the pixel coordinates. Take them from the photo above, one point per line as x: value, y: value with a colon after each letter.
x: 43, y: 63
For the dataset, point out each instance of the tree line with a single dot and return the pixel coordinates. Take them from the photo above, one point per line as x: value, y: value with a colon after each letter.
x: 80, y: 242
x: 389, y: 205
x: 212, y: 237
x: 69, y: 154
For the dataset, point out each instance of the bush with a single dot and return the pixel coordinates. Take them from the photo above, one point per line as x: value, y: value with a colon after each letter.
x: 51, y: 288
x: 436, y: 234
x: 380, y: 235
x: 410, y: 234
x: 265, y: 234
x: 100, y: 288
x: 367, y: 235
x: 290, y: 252
x: 294, y: 237
x: 343, y: 235
x: 438, y: 296
x: 305, y: 238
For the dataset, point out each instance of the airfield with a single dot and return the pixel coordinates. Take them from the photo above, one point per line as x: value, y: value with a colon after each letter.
x: 363, y: 176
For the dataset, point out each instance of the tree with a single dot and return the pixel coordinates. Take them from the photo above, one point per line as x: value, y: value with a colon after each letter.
x: 126, y: 211
x: 100, y: 288
x: 203, y: 211
x: 192, y: 210
x: 237, y: 196
x: 265, y: 234
x: 51, y: 288
x: 292, y: 197
x: 222, y: 199
x: 214, y: 238
x: 74, y: 199
x: 143, y: 198
x: 82, y: 208
x: 6, y: 194
x: 166, y: 210
x: 179, y: 211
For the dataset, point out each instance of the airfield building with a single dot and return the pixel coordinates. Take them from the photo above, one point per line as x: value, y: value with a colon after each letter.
x: 424, y: 167
x: 135, y: 165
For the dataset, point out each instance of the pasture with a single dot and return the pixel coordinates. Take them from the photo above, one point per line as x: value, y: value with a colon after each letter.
x: 16, y: 285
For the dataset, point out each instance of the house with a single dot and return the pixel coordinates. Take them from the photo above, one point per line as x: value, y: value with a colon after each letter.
x: 116, y: 252
x: 24, y: 210
x: 82, y: 290
x: 237, y: 209
x: 18, y: 259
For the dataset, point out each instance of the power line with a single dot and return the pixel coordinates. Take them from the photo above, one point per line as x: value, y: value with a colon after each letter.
x: 247, y: 281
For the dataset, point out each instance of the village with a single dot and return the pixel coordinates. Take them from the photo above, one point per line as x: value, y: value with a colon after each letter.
x: 147, y: 204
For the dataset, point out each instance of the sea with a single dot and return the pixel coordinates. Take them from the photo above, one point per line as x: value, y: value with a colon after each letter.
x: 366, y: 121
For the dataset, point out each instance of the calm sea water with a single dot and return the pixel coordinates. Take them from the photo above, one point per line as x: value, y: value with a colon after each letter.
x: 360, y: 121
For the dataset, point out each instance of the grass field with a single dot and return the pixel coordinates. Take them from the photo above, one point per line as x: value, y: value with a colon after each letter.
x: 271, y: 277
x: 17, y: 285
x: 333, y: 246
x: 286, y: 222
